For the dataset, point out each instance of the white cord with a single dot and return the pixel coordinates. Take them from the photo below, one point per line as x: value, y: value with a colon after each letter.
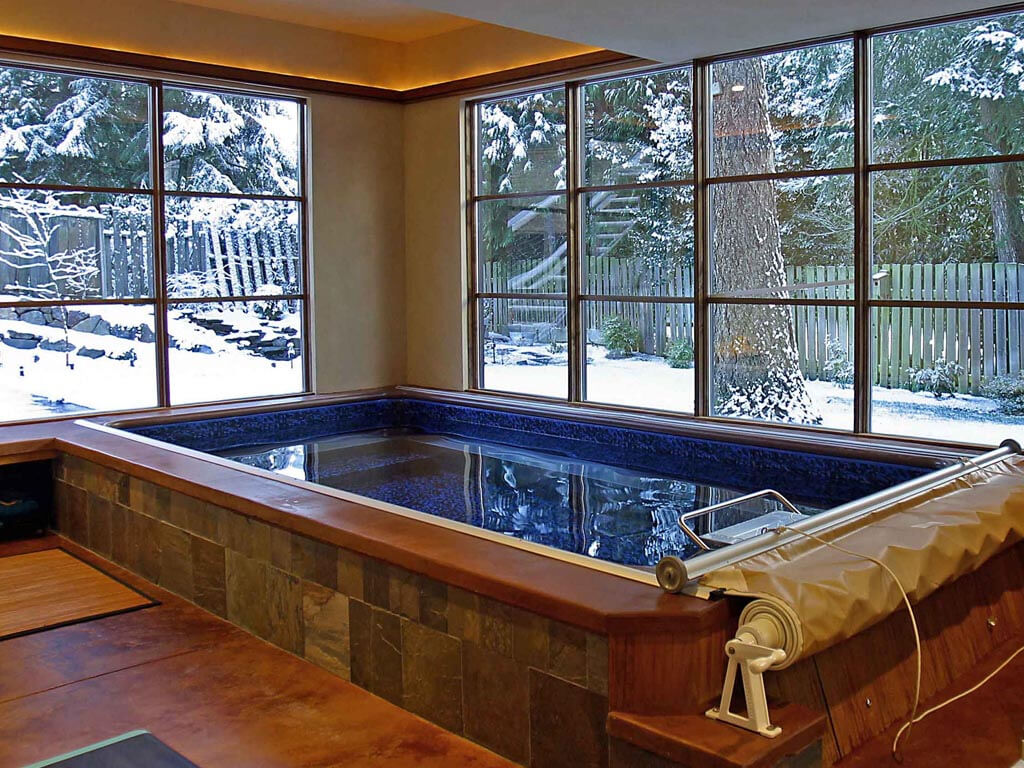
x: 913, y: 623
x: 961, y: 695
x: 914, y: 717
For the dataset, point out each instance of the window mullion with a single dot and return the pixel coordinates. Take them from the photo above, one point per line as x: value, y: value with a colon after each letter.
x: 701, y: 240
x: 862, y: 250
x: 159, y: 246
x: 577, y: 348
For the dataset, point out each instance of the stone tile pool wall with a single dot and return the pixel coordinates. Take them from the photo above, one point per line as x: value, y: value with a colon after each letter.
x: 530, y: 688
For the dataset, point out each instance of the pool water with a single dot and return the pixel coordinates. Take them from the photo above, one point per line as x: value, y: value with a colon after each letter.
x: 606, y: 512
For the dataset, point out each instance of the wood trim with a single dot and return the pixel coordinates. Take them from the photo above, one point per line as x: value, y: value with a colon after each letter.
x: 95, y: 55
x: 563, y: 66
x: 692, y: 739
x: 29, y: 456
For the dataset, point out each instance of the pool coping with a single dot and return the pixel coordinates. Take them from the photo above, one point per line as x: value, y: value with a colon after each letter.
x: 584, y: 596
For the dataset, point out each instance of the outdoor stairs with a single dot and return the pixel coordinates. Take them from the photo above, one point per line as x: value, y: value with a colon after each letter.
x: 613, y: 215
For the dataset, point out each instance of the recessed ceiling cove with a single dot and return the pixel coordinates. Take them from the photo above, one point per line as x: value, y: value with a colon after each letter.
x: 380, y: 19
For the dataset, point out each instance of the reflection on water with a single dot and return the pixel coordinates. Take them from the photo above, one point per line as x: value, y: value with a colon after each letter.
x: 606, y: 512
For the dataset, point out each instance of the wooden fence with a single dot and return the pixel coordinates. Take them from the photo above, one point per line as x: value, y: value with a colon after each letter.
x: 210, y: 260
x: 237, y: 262
x: 983, y: 342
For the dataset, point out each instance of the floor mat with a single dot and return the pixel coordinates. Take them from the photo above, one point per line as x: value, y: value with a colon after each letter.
x: 52, y: 588
x: 135, y: 749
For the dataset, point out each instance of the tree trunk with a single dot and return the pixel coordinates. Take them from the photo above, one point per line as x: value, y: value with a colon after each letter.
x: 1004, y: 188
x: 756, y: 370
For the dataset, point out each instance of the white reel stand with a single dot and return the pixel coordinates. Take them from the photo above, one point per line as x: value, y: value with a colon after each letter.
x: 765, y: 640
x: 752, y: 661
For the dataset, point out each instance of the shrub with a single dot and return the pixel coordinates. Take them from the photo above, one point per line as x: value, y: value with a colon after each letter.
x: 620, y: 338
x: 838, y: 367
x: 680, y: 354
x: 1008, y: 391
x: 940, y: 378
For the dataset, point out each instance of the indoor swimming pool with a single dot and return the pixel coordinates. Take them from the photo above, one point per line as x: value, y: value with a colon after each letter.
x: 606, y: 493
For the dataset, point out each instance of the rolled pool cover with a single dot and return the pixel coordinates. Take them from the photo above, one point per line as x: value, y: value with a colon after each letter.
x: 928, y: 541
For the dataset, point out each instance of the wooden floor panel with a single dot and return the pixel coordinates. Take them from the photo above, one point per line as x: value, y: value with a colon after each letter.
x: 51, y: 588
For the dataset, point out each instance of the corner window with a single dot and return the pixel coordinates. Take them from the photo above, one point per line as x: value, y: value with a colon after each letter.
x: 743, y: 239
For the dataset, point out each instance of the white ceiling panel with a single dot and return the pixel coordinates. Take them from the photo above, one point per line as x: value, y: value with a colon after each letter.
x: 677, y: 30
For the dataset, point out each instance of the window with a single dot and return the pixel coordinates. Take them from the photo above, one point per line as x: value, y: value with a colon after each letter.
x: 637, y: 250
x: 749, y: 238
x: 947, y: 226
x: 150, y: 244
x: 781, y: 244
x: 522, y: 244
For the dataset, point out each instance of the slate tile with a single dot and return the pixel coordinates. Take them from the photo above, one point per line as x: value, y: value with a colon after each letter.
x: 432, y: 675
x: 403, y: 593
x: 245, y: 535
x: 175, y: 560
x: 463, y: 613
x: 98, y: 512
x: 497, y: 702
x: 208, y: 575
x: 530, y: 638
x: 597, y: 663
x: 121, y: 540
x: 386, y: 656
x: 264, y: 600
x: 433, y: 607
x: 567, y: 652
x: 360, y: 617
x: 149, y: 499
x: 496, y: 627
x: 77, y: 515
x: 376, y: 585
x: 350, y: 573
x: 314, y: 560
x: 325, y: 618
x: 566, y: 719
x: 144, y: 542
x: 203, y: 519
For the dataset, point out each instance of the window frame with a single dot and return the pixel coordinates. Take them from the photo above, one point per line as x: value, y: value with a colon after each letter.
x: 156, y: 192
x: 863, y: 304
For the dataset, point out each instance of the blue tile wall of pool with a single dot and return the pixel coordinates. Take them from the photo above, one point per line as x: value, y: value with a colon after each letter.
x: 829, y: 479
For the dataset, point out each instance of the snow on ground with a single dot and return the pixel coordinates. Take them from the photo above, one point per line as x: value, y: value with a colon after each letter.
x: 649, y: 382
x: 37, y: 382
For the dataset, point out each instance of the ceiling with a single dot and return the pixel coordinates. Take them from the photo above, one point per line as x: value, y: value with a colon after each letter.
x: 382, y: 19
x: 679, y: 30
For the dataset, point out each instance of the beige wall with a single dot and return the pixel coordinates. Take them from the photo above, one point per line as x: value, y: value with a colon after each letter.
x: 434, y: 233
x: 357, y: 245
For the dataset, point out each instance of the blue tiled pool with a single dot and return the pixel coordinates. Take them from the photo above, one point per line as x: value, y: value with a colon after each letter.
x: 600, y: 491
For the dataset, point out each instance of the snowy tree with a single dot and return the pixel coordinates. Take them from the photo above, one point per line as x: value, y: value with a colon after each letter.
x: 988, y: 70
x: 639, y: 129
x: 522, y: 143
x: 63, y: 129
x: 756, y: 371
x: 216, y: 142
x: 31, y: 249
